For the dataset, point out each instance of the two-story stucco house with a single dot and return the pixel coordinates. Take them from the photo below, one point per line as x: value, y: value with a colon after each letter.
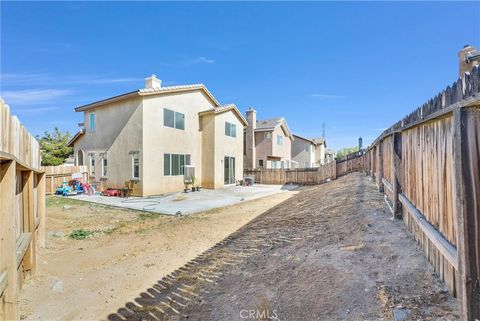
x: 149, y: 135
x: 303, y: 151
x: 268, y: 143
x: 308, y: 153
x: 320, y: 147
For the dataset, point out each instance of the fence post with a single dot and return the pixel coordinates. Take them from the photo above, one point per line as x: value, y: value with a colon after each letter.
x: 8, y: 260
x: 334, y: 164
x: 41, y: 209
x: 466, y: 200
x: 396, y: 172
x: 380, y: 167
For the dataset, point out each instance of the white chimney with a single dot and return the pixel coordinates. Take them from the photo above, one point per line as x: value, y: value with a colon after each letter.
x: 153, y: 82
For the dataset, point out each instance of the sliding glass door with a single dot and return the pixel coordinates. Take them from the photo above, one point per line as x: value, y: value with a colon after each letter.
x: 229, y: 173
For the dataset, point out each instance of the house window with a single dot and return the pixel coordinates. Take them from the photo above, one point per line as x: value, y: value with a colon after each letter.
x: 91, y: 163
x: 279, y: 140
x: 166, y: 165
x: 260, y: 163
x: 173, y: 119
x: 104, y: 165
x: 282, y: 165
x: 267, y: 135
x: 274, y: 164
x: 92, y: 122
x: 180, y: 121
x: 135, y: 165
x: 307, y: 164
x: 307, y: 148
x: 174, y: 164
x: 230, y: 129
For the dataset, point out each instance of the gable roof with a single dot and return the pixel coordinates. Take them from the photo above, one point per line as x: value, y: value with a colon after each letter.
x: 303, y: 138
x: 319, y: 141
x: 148, y: 92
x: 273, y: 123
x: 75, y: 137
x: 223, y: 109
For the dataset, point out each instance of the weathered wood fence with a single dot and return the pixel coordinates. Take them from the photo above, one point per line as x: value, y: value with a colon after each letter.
x: 22, y: 209
x: 56, y: 175
x: 302, y: 176
x: 350, y: 163
x: 308, y: 176
x: 428, y: 167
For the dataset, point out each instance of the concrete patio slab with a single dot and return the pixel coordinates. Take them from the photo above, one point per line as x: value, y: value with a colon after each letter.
x: 192, y: 202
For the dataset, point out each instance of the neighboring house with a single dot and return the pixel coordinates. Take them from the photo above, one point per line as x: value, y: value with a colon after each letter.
x: 149, y: 135
x: 320, y: 146
x: 309, y: 152
x: 268, y: 143
x: 468, y: 57
x: 303, y: 151
x: 329, y: 155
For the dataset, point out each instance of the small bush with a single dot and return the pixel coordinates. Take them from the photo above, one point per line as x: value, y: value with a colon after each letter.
x: 80, y: 234
x: 147, y: 216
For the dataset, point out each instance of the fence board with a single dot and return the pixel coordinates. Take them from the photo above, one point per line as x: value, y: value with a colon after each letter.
x: 56, y: 175
x: 302, y: 176
x: 20, y: 181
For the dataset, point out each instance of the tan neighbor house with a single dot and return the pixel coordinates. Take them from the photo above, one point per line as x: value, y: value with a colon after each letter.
x: 320, y: 146
x: 149, y: 135
x: 303, y: 151
x: 268, y: 143
x: 309, y: 153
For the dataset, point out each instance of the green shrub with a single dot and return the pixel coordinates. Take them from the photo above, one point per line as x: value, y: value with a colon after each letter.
x: 80, y: 234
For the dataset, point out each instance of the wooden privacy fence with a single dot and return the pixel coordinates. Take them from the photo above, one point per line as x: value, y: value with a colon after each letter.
x: 302, y: 176
x: 308, y: 176
x: 428, y: 167
x: 22, y: 214
x: 350, y: 163
x: 56, y: 175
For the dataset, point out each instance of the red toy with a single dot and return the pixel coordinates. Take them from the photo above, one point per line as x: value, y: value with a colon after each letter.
x: 111, y: 192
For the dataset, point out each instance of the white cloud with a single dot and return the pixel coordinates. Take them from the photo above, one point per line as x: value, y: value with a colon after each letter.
x: 94, y: 80
x: 199, y: 60
x: 34, y: 96
x: 23, y: 77
x: 34, y: 111
x: 325, y: 96
x: 38, y: 78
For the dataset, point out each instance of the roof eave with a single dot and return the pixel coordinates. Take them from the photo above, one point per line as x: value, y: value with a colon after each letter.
x: 75, y: 137
x: 220, y: 111
x: 107, y: 101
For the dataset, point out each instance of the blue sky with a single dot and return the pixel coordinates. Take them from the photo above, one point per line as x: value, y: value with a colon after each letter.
x: 356, y: 66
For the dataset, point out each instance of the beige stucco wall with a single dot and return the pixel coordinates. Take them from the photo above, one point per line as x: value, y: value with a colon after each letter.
x: 137, y: 125
x: 263, y: 147
x: 269, y: 147
x: 283, y: 151
x: 160, y: 139
x: 320, y: 155
x: 227, y: 146
x: 208, y: 155
x: 301, y: 155
x: 118, y: 130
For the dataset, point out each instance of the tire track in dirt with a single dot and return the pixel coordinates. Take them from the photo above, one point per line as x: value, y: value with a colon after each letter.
x: 324, y: 254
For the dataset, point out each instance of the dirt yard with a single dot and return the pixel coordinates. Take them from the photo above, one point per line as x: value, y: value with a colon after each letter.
x: 330, y: 252
x: 123, y: 252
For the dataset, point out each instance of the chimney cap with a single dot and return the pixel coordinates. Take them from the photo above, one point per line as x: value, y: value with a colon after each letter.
x: 153, y: 76
x: 153, y: 82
